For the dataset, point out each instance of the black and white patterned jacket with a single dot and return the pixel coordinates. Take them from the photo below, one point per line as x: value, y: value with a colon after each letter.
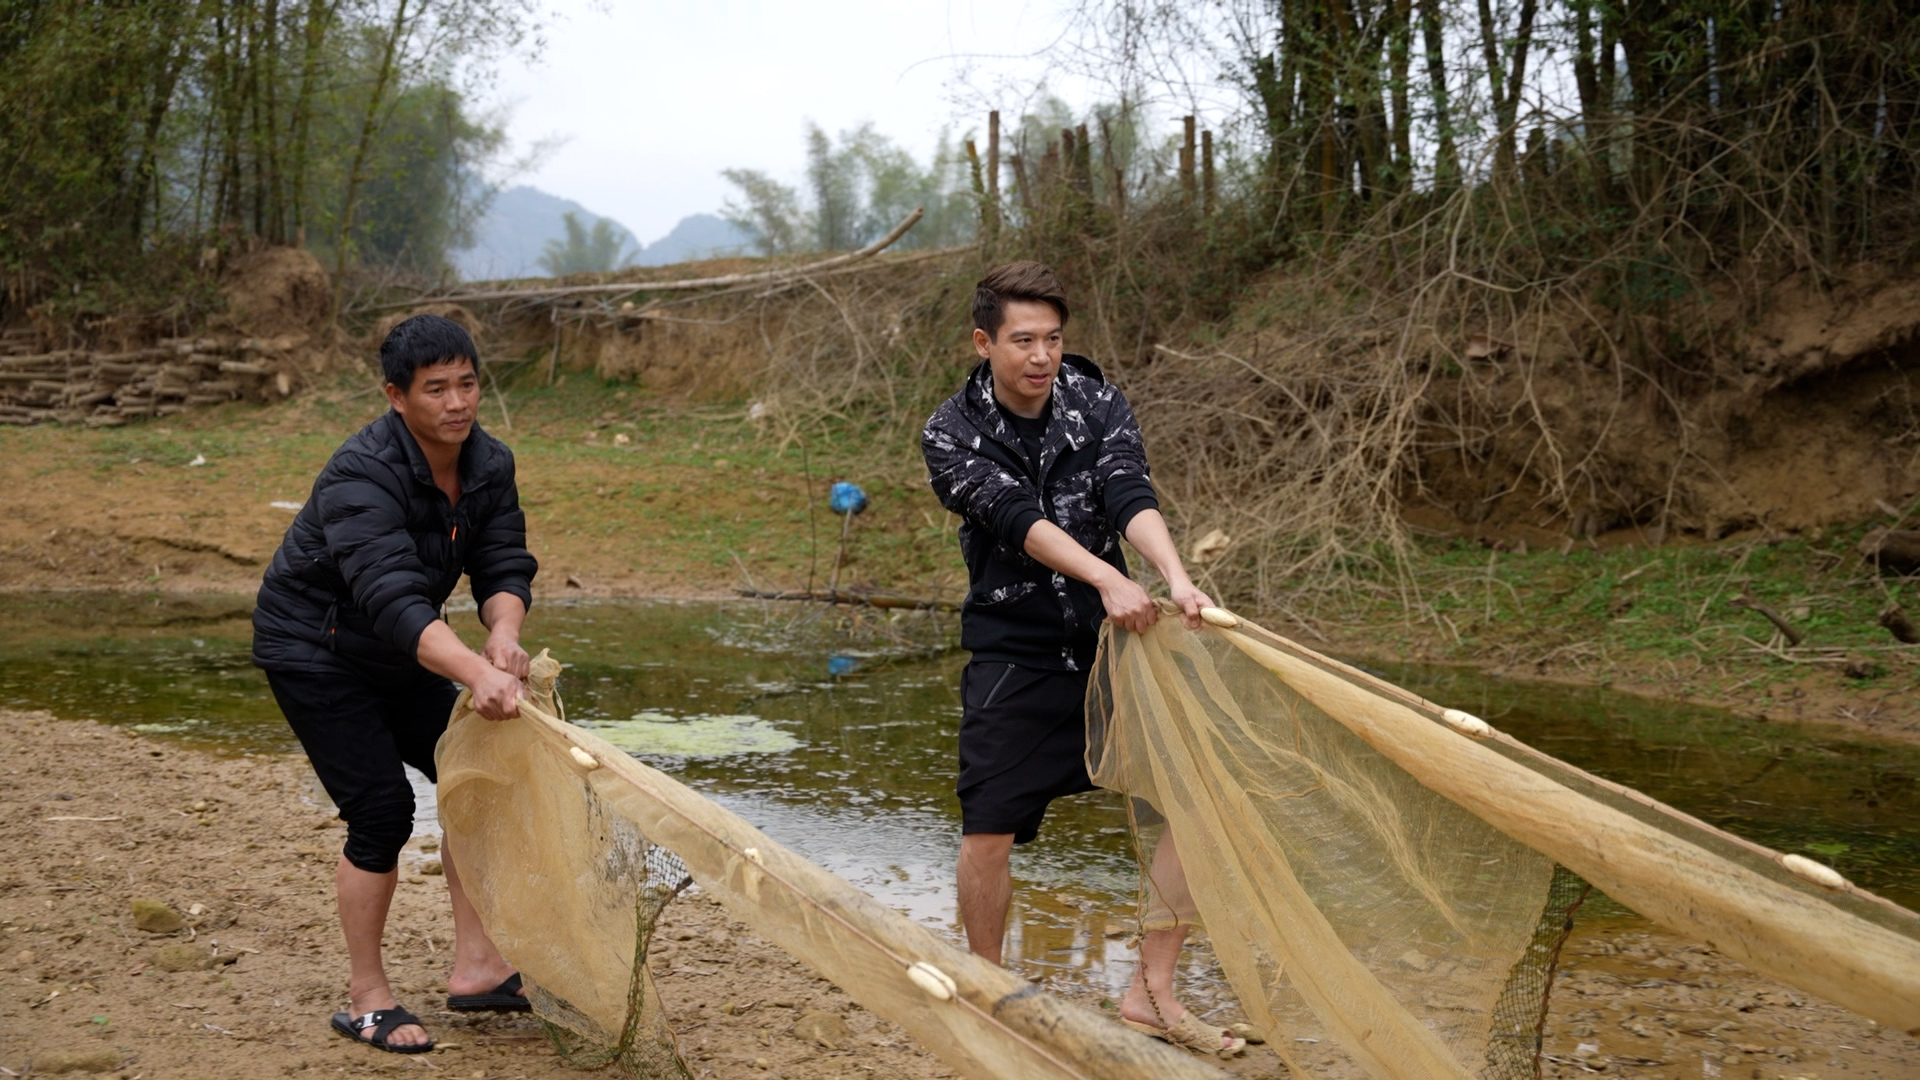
x: 1092, y: 481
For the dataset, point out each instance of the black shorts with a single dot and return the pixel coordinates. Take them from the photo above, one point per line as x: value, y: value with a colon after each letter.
x: 358, y: 733
x: 1023, y: 744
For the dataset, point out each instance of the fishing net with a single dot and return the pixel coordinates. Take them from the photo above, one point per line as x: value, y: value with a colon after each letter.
x: 569, y: 849
x: 1387, y: 884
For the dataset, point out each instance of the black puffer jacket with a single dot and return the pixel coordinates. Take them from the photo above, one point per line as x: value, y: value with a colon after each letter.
x: 377, y: 550
x: 1092, y: 481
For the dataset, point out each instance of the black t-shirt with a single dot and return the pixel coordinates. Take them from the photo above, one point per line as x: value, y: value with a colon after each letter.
x: 1031, y: 433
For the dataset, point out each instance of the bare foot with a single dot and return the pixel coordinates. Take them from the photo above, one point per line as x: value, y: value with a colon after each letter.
x: 1138, y: 1008
x: 479, y: 981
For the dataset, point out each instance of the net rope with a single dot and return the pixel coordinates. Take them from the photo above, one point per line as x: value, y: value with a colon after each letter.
x: 1517, y: 1035
x: 646, y: 1048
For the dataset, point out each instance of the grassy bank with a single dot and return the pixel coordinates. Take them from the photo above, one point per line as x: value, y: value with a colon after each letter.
x: 623, y: 495
x: 1654, y: 618
x: 630, y: 494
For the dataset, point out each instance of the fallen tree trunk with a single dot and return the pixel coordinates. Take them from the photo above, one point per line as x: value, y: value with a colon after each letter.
x: 755, y: 278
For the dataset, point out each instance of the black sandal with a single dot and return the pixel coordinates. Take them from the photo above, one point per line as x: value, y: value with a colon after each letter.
x: 503, y: 998
x: 383, y: 1022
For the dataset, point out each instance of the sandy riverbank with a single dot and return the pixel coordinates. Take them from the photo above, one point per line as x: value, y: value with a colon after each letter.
x: 96, y: 817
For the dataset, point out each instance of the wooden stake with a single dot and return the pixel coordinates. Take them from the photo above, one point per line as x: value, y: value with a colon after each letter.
x: 553, y: 358
x: 846, y: 526
x: 979, y: 189
x: 1186, y: 159
x: 993, y: 174
x: 1206, y: 172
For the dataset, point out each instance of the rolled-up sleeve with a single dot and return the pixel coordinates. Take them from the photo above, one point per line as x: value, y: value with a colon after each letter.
x: 973, y: 486
x: 365, y: 524
x: 1120, y: 472
x: 499, y: 562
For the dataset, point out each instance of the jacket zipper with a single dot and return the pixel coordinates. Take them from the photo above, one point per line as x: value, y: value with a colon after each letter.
x: 1002, y: 681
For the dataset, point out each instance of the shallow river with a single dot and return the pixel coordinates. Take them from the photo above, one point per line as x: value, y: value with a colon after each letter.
x: 837, y: 737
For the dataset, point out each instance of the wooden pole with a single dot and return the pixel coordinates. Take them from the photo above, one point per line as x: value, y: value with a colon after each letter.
x: 993, y: 174
x: 1186, y: 160
x: 840, y: 557
x: 1206, y: 172
x: 979, y: 190
x: 1117, y: 181
x: 1083, y: 163
x: 553, y: 358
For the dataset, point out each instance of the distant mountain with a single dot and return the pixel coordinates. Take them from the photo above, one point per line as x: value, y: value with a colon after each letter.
x: 510, y: 238
x: 698, y: 236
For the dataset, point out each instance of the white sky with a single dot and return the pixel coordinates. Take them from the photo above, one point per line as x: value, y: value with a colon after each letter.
x: 654, y: 99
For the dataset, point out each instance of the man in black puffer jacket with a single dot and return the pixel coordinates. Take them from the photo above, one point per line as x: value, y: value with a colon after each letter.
x: 347, y: 626
x: 1043, y: 461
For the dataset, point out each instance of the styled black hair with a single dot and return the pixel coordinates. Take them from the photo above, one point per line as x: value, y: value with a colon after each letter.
x: 422, y: 341
x: 1030, y: 281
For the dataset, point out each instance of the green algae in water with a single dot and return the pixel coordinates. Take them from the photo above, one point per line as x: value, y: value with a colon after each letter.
x: 165, y: 729
x: 704, y: 736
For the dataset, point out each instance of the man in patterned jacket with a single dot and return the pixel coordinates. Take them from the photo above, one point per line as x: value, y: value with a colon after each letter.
x: 1042, y: 459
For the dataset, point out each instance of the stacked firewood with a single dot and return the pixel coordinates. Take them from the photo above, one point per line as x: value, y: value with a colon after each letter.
x: 106, y: 389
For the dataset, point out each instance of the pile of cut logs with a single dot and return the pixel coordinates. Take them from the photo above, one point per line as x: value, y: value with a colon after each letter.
x: 106, y: 389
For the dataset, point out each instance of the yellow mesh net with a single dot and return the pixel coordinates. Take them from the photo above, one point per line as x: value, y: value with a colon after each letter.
x: 568, y: 847
x: 1386, y: 882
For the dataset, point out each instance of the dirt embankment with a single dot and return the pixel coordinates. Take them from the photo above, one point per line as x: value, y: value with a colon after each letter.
x: 1791, y: 414
x: 97, y: 818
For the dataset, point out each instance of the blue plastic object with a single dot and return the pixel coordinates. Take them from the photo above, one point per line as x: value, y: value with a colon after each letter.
x: 847, y: 498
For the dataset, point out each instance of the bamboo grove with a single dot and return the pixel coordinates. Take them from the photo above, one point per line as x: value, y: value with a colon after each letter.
x: 133, y: 135
x: 1654, y: 140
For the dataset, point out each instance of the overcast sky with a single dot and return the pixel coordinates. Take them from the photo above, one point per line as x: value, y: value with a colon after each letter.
x: 654, y: 99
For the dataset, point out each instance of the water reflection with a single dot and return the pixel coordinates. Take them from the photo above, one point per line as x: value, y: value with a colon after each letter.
x: 852, y: 723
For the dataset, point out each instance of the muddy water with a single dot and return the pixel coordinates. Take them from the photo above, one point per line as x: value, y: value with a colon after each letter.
x: 837, y: 737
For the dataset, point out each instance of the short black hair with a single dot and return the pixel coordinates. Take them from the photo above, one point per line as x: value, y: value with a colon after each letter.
x: 422, y: 341
x: 1030, y: 281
